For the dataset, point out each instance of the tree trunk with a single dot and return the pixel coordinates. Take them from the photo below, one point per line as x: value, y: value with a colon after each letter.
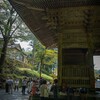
x: 41, y: 66
x: 42, y: 58
x: 3, y: 55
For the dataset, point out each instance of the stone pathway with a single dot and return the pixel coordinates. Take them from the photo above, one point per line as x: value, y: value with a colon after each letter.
x: 15, y: 96
x: 18, y: 96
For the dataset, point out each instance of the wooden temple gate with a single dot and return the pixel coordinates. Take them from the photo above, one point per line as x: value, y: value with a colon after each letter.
x: 73, y: 26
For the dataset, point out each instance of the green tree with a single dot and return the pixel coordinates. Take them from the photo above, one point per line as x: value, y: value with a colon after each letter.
x: 50, y: 60
x: 9, y: 24
x: 38, y: 54
x: 44, y: 59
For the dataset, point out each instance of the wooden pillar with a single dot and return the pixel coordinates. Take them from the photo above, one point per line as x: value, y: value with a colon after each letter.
x: 75, y: 64
x: 91, y: 67
x: 60, y: 60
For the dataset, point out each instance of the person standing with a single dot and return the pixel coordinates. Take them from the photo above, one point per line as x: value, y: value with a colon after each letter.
x: 10, y: 85
x: 29, y: 85
x: 24, y: 85
x: 7, y: 85
x: 44, y: 91
x: 54, y: 89
x: 16, y: 83
x: 34, y: 88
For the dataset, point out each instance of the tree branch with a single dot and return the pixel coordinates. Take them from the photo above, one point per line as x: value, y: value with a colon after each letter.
x: 12, y: 20
x: 15, y: 30
x: 1, y: 31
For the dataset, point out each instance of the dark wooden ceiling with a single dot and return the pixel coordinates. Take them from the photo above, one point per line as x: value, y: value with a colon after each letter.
x: 43, y: 19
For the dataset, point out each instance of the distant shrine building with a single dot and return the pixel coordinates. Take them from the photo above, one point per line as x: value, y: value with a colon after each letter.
x: 73, y: 26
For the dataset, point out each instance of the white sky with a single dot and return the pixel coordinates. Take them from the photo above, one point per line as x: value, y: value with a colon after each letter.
x: 96, y: 62
x: 25, y: 45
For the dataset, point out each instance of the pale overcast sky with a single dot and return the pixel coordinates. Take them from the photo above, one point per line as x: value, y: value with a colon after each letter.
x: 96, y: 62
x: 25, y: 45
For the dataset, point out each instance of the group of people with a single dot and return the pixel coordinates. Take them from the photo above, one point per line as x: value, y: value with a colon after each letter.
x: 11, y: 85
x: 44, y: 89
x: 34, y: 87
